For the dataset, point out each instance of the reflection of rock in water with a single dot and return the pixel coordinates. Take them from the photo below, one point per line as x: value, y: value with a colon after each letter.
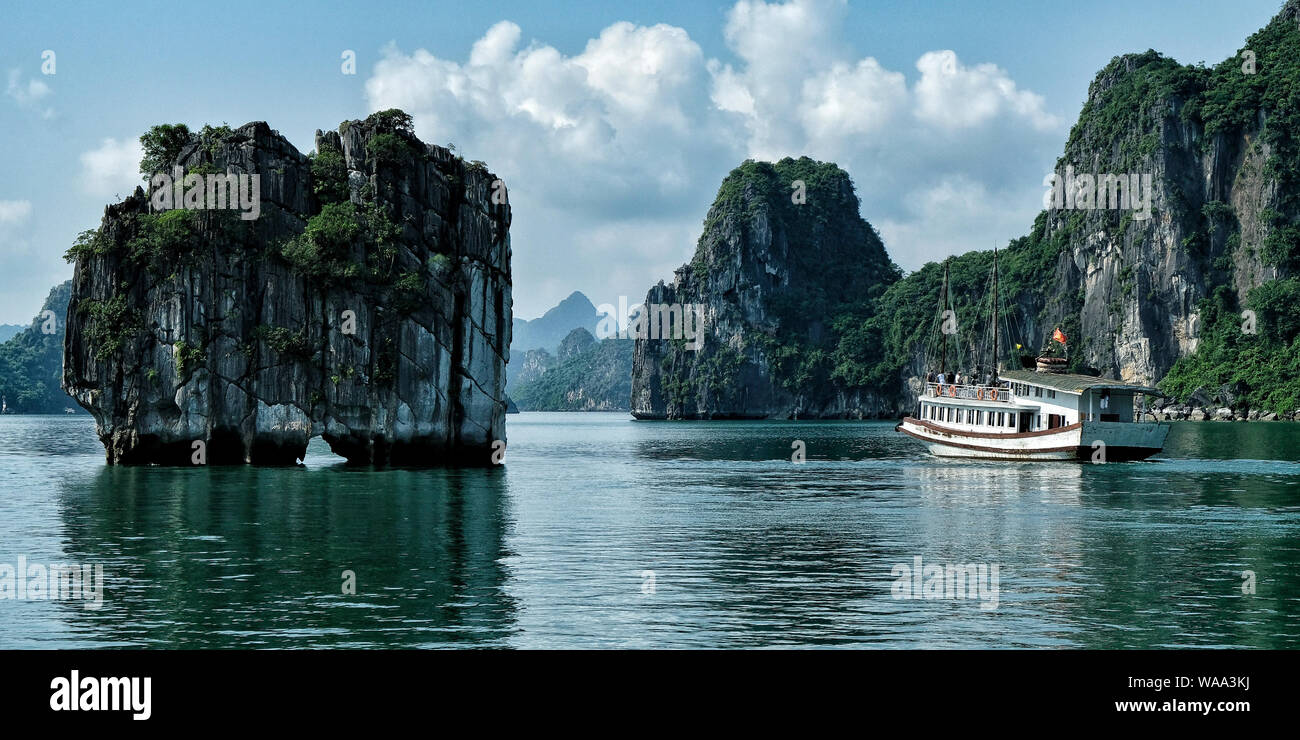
x: 249, y: 557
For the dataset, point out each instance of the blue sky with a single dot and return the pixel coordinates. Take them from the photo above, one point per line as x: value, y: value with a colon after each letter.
x: 612, y: 122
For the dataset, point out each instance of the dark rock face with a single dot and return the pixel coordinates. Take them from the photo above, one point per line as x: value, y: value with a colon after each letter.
x: 386, y: 332
x: 771, y: 272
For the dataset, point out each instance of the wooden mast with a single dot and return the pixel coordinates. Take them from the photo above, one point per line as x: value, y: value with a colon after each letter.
x: 943, y: 308
x: 995, y: 314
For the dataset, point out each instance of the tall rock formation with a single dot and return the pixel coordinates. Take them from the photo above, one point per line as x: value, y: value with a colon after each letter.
x: 369, y: 302
x: 783, y: 257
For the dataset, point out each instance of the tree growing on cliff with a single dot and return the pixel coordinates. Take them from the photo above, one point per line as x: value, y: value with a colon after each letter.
x: 161, y: 145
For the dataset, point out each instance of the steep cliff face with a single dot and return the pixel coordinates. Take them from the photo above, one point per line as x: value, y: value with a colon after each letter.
x: 369, y: 302
x: 1130, y: 287
x: 784, y: 257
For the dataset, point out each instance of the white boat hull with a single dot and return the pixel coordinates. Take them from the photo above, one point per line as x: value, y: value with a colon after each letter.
x: 1095, y: 441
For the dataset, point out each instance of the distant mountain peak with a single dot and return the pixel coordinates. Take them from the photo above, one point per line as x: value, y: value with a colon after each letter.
x: 547, y: 331
x: 574, y: 303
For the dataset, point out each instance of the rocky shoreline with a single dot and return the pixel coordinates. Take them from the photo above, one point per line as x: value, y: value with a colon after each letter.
x: 1224, y: 404
x: 1184, y: 412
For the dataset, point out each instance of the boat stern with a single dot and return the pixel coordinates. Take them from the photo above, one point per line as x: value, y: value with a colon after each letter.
x: 1113, y: 441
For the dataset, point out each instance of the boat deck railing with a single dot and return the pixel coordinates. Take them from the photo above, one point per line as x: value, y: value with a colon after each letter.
x: 996, y: 393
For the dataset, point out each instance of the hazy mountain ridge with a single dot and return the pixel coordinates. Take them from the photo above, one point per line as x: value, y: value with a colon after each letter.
x: 31, y: 362
x: 585, y: 375
x: 534, y: 342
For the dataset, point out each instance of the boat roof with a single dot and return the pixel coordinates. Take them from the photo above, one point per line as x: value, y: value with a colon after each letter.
x: 1073, y: 383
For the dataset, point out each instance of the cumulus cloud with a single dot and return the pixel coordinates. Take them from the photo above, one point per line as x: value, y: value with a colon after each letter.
x: 112, y: 169
x: 614, y: 153
x: 14, y: 212
x: 951, y: 95
x: 951, y: 216
x: 30, y: 94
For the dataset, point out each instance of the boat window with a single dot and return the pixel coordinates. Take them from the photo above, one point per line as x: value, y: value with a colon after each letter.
x: 1038, y: 391
x: 1011, y: 420
x: 1051, y: 394
x: 1000, y: 418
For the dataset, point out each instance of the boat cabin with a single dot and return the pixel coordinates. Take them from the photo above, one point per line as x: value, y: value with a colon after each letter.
x: 1028, y: 401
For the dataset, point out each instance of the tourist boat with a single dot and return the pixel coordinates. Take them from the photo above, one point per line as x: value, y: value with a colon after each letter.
x: 1043, y: 413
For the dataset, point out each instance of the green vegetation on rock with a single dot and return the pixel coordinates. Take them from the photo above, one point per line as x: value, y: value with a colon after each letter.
x: 31, y: 362
x: 161, y: 145
x: 1260, y: 368
x: 595, y: 378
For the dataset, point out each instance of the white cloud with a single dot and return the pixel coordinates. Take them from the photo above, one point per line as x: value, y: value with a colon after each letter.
x: 951, y: 95
x: 948, y: 217
x: 14, y: 212
x: 112, y: 169
x: 615, y: 151
x: 851, y: 101
x: 29, y: 94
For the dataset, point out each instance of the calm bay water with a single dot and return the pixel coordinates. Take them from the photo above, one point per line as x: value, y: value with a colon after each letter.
x: 746, y: 548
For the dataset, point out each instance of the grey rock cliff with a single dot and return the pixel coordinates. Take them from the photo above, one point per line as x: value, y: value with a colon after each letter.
x: 771, y: 274
x: 387, y: 333
x: 1135, y: 284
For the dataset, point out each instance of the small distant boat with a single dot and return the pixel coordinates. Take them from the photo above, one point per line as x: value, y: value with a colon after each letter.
x: 1039, y: 414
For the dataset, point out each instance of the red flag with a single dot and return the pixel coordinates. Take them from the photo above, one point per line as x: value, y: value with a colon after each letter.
x: 1059, y: 336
